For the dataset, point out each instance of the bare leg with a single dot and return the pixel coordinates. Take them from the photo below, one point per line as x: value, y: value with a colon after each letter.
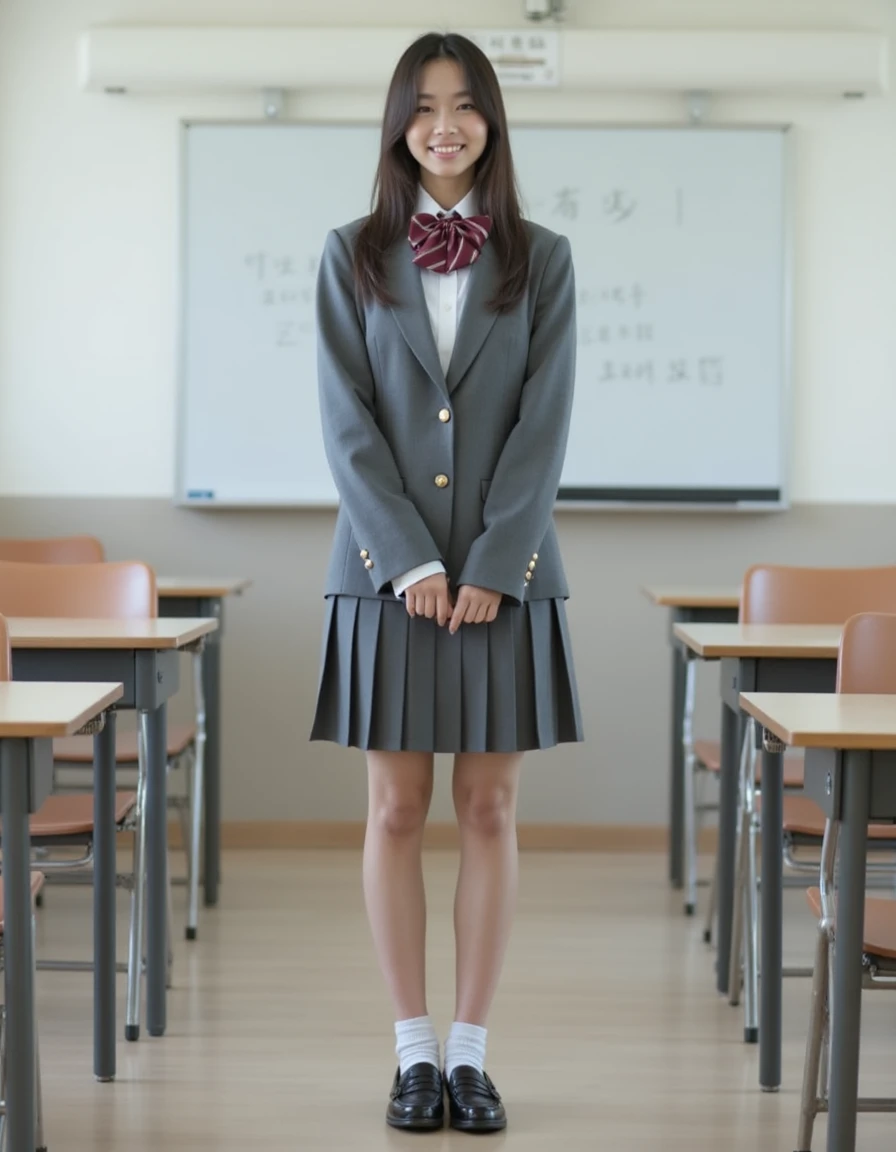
x: 399, y: 793
x: 485, y: 789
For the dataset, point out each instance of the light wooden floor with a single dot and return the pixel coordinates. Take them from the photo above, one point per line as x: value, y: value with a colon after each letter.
x: 607, y: 1032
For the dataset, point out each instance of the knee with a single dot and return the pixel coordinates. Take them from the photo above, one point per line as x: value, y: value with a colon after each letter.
x: 486, y: 810
x: 400, y: 814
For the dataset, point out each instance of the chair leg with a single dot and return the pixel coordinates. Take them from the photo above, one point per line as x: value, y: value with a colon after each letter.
x: 197, y: 797
x: 135, y: 941
x: 40, y: 1142
x: 170, y: 941
x: 711, y: 906
x: 751, y: 938
x: 690, y: 799
x: 814, y: 1042
x: 736, y: 955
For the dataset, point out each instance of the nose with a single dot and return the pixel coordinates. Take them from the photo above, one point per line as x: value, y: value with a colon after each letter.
x: 445, y: 122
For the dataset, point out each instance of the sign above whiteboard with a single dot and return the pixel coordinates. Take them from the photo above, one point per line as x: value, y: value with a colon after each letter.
x: 521, y: 57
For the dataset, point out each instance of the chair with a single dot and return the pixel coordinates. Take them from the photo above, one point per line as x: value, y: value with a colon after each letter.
x: 119, y: 591
x: 77, y: 751
x: 866, y: 664
x: 52, y: 550
x: 776, y: 594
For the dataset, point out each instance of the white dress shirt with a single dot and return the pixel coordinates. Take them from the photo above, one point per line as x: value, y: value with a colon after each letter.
x: 444, y: 293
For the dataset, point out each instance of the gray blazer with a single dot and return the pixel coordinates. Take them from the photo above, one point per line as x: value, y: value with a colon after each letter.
x: 462, y: 468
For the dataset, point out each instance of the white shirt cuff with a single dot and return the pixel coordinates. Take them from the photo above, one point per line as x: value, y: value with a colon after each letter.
x: 403, y: 582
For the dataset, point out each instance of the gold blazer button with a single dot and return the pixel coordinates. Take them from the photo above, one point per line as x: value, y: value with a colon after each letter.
x: 368, y: 564
x: 534, y: 555
x: 528, y: 576
x: 364, y: 553
x: 441, y: 481
x: 531, y: 565
x: 444, y: 415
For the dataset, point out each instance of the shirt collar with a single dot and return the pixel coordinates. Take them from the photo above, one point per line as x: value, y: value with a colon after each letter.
x: 467, y: 207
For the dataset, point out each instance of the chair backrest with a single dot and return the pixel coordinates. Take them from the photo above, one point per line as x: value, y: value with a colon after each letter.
x: 5, y: 654
x: 867, y: 659
x: 53, y: 550
x: 120, y: 590
x: 775, y: 594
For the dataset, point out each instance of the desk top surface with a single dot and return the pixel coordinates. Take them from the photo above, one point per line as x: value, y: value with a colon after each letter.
x: 693, y: 595
x: 825, y: 719
x: 210, y: 586
x: 32, y: 709
x: 788, y: 641
x: 158, y: 634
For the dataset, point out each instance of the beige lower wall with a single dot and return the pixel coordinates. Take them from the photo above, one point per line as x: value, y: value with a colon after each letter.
x: 272, y: 642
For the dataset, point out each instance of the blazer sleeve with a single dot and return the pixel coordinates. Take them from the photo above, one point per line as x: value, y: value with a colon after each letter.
x: 385, y: 523
x: 521, y: 497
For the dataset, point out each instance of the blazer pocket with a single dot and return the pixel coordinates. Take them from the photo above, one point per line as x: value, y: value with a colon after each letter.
x: 484, y: 487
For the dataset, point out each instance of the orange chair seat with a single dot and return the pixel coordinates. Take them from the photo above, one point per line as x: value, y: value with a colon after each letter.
x: 803, y: 817
x: 37, y: 882
x: 709, y: 753
x: 63, y: 815
x: 880, y: 924
x: 79, y: 749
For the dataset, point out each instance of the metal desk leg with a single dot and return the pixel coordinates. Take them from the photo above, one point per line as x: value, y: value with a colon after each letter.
x: 771, y: 959
x: 21, y: 1113
x: 104, y: 901
x: 211, y: 661
x: 676, y: 773
x: 154, y: 735
x: 731, y: 727
x: 847, y: 1007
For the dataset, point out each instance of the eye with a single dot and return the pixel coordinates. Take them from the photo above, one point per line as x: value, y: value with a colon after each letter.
x: 467, y: 108
x: 421, y: 108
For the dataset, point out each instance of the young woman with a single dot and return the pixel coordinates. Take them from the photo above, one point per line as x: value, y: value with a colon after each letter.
x: 446, y: 328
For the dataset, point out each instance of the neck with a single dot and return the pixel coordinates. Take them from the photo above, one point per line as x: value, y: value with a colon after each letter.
x: 447, y: 191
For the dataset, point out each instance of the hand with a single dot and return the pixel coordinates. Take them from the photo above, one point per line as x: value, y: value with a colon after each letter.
x: 474, y: 606
x: 430, y: 598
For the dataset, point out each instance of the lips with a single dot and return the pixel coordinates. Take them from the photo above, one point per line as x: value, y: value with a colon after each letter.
x: 447, y: 154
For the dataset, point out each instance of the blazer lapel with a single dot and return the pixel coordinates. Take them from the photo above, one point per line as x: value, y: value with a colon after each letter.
x: 476, y: 319
x: 410, y: 311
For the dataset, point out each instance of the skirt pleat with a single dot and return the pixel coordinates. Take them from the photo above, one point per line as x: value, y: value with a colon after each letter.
x: 392, y: 683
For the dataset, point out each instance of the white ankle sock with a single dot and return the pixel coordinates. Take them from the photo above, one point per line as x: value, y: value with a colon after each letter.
x: 416, y: 1042
x: 465, y: 1045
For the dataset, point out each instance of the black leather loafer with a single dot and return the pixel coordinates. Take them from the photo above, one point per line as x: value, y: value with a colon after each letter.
x: 473, y: 1101
x: 416, y: 1101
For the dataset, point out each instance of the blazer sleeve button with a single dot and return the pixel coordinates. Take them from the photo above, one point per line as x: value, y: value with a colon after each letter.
x: 368, y: 564
x: 528, y: 577
x: 364, y: 553
x: 531, y: 565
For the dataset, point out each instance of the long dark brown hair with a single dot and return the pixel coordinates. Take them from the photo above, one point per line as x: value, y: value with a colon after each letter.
x: 398, y: 173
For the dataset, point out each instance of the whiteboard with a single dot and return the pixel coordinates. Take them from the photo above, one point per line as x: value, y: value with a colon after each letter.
x: 680, y: 240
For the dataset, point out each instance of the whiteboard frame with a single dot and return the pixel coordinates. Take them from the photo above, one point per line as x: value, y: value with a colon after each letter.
x: 785, y: 415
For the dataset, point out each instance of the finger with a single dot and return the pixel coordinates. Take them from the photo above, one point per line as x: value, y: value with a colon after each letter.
x: 410, y: 603
x: 460, y: 608
x: 492, y: 613
x: 481, y: 613
x: 443, y: 608
x: 429, y: 608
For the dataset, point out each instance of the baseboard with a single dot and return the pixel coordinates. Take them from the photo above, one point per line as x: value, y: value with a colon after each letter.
x: 349, y: 834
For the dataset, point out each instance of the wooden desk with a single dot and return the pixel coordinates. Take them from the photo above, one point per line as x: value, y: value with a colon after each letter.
x: 759, y: 657
x: 851, y: 773
x: 143, y: 656
x: 686, y: 604
x: 31, y: 715
x: 192, y: 596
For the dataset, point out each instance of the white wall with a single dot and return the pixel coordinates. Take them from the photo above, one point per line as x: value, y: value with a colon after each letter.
x: 88, y: 197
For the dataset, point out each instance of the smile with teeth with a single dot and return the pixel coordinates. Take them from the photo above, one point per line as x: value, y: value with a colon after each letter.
x: 446, y: 149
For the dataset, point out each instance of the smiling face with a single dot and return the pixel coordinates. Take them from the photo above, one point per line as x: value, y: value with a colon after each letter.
x: 447, y: 134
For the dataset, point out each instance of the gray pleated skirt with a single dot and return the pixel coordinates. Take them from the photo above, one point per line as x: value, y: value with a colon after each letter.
x: 394, y: 683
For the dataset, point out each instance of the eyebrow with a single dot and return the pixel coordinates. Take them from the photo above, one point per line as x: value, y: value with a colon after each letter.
x: 429, y: 95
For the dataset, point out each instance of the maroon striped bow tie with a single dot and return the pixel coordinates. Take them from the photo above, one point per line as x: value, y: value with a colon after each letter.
x: 448, y: 241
